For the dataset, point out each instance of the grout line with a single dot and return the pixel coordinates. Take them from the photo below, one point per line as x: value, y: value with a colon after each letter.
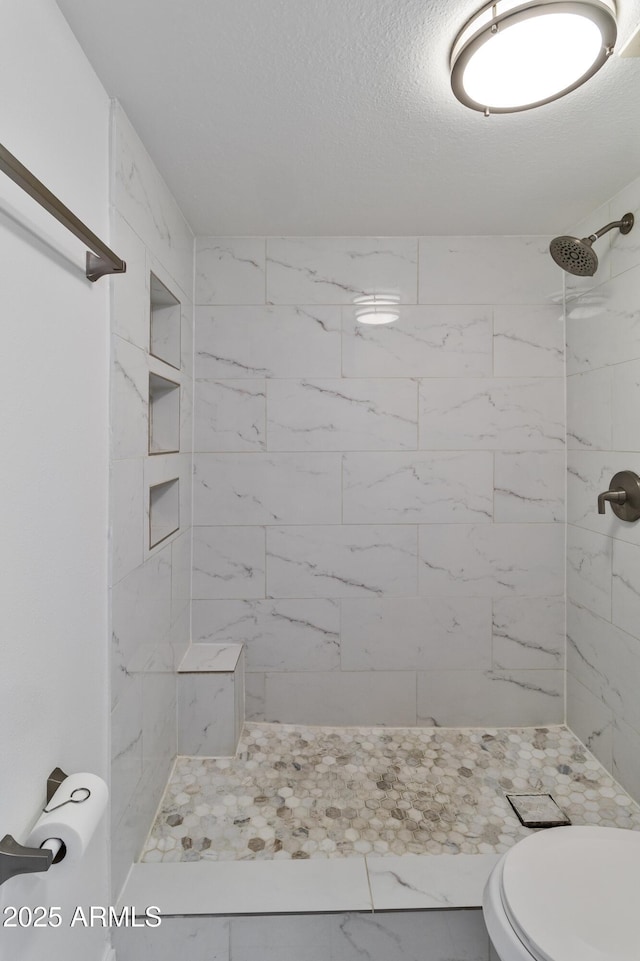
x: 566, y: 498
x: 265, y: 271
x: 366, y: 869
x: 266, y: 573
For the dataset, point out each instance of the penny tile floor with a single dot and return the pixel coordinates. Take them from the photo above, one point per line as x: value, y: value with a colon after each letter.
x: 317, y: 792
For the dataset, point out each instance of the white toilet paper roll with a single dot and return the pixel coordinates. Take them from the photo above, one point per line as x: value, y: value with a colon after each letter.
x: 74, y: 812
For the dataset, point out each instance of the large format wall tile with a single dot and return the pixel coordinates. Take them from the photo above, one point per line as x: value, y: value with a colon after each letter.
x: 416, y: 633
x: 625, y: 587
x: 342, y: 697
x: 487, y: 270
x: 503, y: 414
x: 591, y: 319
x: 181, y: 574
x: 267, y: 342
x: 130, y: 296
x: 625, y: 752
x: 605, y: 660
x: 338, y: 438
x: 624, y: 406
x: 129, y: 398
x: 491, y: 698
x: 267, y: 488
x: 159, y: 741
x: 403, y: 936
x: 529, y: 486
x: 126, y: 747
x: 206, y: 714
x: 590, y: 720
x: 589, y: 570
x: 142, y: 198
x: 388, y: 488
x: 230, y: 270
x: 313, y: 937
x: 283, y: 635
x: 189, y: 938
x: 127, y: 517
x: 141, y: 617
x: 482, y: 560
x: 589, y: 410
x: 624, y: 248
x: 528, y: 341
x: 347, y: 561
x: 336, y: 270
x: 159, y: 735
x: 588, y: 474
x: 152, y: 587
x: 342, y: 414
x: 528, y: 633
x: 228, y: 562
x: 254, y: 687
x: 425, y: 341
x: 230, y: 415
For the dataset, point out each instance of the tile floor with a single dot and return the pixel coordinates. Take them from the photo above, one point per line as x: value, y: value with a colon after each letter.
x: 318, y: 792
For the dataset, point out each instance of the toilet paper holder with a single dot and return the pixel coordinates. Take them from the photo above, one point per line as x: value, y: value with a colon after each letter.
x: 16, y: 858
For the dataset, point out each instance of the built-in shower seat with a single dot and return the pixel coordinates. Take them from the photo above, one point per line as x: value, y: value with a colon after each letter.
x: 210, y: 700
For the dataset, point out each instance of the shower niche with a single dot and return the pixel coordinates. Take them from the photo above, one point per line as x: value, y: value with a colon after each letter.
x: 164, y: 511
x: 162, y: 467
x: 165, y: 323
x: 164, y: 415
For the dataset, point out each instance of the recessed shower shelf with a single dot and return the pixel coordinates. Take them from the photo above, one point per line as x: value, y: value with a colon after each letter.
x: 165, y: 324
x: 164, y: 511
x: 164, y: 415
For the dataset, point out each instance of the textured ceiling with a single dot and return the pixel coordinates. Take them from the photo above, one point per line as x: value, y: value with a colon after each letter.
x: 336, y: 117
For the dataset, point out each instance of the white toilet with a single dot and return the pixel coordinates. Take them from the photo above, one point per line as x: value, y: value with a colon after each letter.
x: 567, y: 894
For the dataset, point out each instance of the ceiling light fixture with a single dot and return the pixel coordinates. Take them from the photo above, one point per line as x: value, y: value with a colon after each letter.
x: 513, y: 56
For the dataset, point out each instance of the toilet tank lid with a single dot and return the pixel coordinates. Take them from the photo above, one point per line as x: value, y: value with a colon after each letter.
x: 573, y: 893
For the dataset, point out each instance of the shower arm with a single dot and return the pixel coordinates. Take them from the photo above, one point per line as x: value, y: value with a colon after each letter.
x: 625, y: 226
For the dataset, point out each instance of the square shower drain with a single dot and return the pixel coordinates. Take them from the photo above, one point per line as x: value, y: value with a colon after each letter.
x: 537, y: 810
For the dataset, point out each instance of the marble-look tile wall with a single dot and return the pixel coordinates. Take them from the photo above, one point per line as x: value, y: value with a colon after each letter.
x: 404, y: 935
x: 150, y: 589
x: 603, y: 553
x: 379, y: 510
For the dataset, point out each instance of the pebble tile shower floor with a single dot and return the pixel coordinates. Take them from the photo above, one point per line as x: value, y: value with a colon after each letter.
x: 317, y: 792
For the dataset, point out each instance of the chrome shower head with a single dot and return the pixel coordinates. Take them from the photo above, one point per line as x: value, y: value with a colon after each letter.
x: 578, y: 256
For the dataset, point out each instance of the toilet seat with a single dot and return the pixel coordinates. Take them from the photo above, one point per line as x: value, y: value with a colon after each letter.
x: 570, y: 894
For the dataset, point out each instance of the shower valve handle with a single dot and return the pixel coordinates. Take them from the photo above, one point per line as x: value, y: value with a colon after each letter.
x: 615, y: 497
x: 623, y: 495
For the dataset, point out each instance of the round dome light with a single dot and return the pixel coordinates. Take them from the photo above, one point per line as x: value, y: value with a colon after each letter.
x: 377, y: 309
x: 514, y: 56
x: 377, y: 315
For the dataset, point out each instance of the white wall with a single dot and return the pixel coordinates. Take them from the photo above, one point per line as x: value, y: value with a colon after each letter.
x: 603, y: 552
x: 54, y: 463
